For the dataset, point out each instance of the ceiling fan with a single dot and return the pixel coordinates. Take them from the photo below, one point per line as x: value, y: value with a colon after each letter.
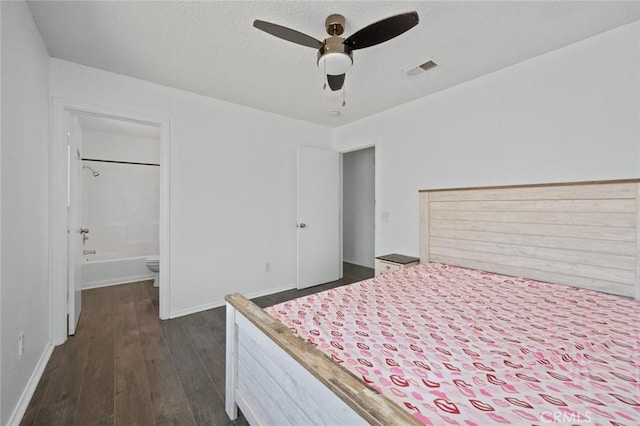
x: 334, y: 53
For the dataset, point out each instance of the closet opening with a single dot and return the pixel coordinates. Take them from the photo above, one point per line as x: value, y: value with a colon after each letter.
x: 358, y: 207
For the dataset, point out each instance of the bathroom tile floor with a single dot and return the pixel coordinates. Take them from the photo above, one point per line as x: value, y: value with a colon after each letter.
x: 126, y: 367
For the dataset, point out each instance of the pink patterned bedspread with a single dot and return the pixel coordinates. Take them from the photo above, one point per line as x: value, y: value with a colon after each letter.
x: 457, y: 346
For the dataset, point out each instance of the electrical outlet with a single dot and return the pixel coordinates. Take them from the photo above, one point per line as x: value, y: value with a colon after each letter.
x: 385, y: 217
x: 20, y: 344
x: 267, y: 267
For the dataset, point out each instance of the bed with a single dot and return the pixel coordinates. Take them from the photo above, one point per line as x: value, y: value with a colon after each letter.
x: 485, y: 346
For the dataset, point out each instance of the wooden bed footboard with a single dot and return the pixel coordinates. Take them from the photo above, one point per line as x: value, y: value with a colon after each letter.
x: 276, y: 378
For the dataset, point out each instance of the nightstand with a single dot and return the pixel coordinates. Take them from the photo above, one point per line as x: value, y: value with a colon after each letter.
x: 394, y: 262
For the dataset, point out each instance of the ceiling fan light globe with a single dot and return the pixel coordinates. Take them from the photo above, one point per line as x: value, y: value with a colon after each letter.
x: 336, y: 63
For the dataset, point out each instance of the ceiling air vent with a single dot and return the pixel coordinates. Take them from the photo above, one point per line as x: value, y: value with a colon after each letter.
x: 427, y: 66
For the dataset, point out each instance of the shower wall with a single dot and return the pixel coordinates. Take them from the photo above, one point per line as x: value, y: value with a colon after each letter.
x: 121, y: 204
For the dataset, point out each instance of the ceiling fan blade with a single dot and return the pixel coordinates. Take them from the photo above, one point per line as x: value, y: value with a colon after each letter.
x: 287, y: 34
x: 335, y: 81
x: 383, y: 30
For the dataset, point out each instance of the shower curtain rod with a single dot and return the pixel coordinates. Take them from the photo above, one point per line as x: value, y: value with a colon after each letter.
x: 120, y: 162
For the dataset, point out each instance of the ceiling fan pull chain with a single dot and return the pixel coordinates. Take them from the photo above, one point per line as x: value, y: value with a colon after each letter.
x: 324, y: 76
x: 344, y: 95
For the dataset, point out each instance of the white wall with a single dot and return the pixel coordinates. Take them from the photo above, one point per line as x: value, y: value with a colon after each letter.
x: 121, y: 206
x: 569, y: 115
x: 358, y: 206
x: 25, y: 237
x: 233, y: 184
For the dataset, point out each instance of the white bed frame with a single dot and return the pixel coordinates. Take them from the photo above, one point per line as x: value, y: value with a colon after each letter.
x: 583, y: 234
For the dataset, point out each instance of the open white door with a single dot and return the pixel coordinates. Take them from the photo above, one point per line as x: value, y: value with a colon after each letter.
x: 77, y: 234
x: 318, y: 216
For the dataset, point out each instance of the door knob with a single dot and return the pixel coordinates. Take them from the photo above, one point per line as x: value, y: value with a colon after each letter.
x: 302, y: 225
x: 84, y: 230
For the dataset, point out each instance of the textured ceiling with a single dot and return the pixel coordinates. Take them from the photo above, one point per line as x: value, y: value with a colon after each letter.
x: 211, y: 47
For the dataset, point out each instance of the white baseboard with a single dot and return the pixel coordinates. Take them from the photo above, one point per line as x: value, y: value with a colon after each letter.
x: 270, y: 291
x: 30, y: 388
x: 196, y: 309
x: 125, y: 280
x: 218, y: 303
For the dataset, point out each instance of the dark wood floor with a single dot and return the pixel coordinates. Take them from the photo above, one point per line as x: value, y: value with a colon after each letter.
x: 126, y: 367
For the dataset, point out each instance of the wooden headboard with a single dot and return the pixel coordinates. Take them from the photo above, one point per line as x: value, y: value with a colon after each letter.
x: 580, y: 234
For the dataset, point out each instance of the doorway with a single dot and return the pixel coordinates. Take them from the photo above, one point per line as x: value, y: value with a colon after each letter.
x: 114, y: 200
x: 120, y: 200
x: 68, y: 166
x: 358, y: 207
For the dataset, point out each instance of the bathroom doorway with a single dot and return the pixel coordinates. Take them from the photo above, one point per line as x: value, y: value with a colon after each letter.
x: 120, y: 200
x: 113, y: 171
x: 114, y: 187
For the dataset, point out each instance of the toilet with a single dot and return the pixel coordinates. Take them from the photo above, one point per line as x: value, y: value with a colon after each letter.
x: 153, y: 263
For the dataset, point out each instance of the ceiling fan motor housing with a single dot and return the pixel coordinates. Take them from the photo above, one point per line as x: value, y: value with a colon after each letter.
x: 335, y: 57
x: 334, y: 24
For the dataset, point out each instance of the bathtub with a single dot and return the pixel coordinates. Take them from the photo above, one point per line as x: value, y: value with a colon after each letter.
x: 100, y: 273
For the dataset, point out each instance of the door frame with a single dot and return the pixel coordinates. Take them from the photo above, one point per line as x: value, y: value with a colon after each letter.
x: 58, y: 212
x: 376, y: 175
